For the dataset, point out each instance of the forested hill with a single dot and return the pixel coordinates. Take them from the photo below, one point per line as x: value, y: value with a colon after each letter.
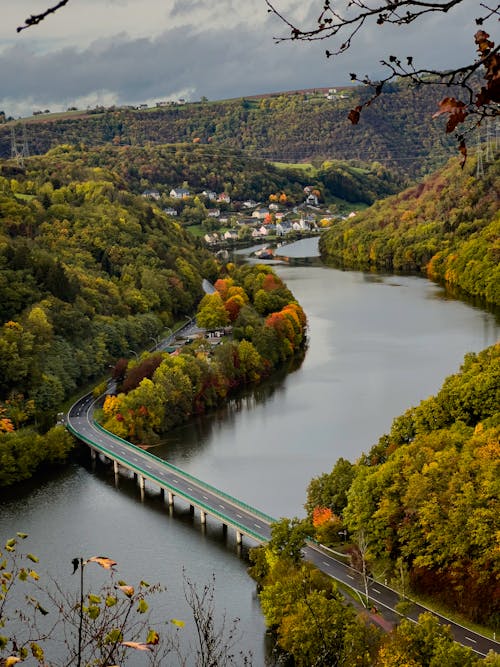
x: 88, y: 272
x: 397, y: 130
x: 447, y: 228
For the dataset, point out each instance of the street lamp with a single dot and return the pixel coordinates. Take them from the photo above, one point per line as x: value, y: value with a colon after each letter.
x: 134, y: 353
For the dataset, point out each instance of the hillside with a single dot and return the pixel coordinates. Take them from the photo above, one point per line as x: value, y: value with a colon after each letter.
x: 88, y: 271
x: 397, y: 130
x: 447, y: 228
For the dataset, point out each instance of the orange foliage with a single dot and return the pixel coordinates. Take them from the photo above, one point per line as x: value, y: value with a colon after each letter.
x: 6, y: 426
x: 322, y: 515
x: 233, y: 307
x: 222, y: 285
x: 271, y: 282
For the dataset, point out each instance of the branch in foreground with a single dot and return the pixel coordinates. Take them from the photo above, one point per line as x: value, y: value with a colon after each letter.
x: 34, y: 19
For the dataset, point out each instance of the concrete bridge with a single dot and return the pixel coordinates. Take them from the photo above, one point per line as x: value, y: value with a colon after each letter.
x: 172, y: 481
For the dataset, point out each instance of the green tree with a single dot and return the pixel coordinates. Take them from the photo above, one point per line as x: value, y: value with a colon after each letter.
x: 288, y: 538
x: 211, y: 313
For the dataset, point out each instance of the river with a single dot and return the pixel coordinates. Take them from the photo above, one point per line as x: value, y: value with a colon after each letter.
x: 377, y: 345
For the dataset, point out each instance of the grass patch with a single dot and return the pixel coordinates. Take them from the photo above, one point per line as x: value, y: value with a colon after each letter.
x: 301, y: 166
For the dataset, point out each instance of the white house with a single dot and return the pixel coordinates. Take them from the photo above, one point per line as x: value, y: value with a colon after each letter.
x: 312, y: 199
x: 179, y: 193
x: 224, y: 197
x: 260, y: 213
x: 209, y: 194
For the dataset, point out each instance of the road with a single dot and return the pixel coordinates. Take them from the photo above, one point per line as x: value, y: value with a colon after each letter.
x: 245, y: 519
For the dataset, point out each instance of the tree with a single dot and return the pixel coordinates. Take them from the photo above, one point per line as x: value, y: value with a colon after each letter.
x: 211, y: 312
x: 288, y: 538
x: 478, y: 83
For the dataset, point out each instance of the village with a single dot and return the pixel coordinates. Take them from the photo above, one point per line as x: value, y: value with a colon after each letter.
x: 221, y: 222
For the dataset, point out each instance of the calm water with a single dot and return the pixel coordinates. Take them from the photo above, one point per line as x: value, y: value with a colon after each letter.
x: 377, y: 346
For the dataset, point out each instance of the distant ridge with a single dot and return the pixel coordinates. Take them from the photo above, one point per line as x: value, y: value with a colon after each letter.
x: 294, y: 126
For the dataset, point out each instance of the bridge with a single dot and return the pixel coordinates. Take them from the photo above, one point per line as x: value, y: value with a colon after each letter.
x: 231, y: 512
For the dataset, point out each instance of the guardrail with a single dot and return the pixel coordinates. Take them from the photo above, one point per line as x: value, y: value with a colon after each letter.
x: 199, y: 482
x: 128, y: 464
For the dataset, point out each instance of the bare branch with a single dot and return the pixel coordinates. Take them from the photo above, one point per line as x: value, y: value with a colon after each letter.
x: 34, y: 19
x: 478, y: 82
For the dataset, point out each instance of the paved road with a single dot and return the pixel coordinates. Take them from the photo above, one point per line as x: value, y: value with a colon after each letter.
x: 246, y: 520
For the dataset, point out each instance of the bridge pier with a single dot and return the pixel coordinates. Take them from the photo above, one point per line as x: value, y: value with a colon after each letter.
x: 203, y: 517
x: 224, y: 528
x: 171, y: 498
x: 239, y: 537
x: 191, y: 510
x: 93, y: 458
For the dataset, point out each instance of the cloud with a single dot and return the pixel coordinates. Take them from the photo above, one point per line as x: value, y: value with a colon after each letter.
x: 220, y: 51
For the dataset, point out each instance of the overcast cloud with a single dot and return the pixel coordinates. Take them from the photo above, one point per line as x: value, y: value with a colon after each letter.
x: 132, y: 51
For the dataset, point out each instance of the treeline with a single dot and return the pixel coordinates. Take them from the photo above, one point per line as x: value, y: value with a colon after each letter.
x: 446, y: 228
x: 291, y: 127
x: 161, y: 390
x: 419, y: 511
x: 200, y: 167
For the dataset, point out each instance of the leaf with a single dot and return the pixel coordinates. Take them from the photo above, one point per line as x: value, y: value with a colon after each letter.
x: 153, y: 638
x: 175, y: 621
x: 93, y: 612
x: 43, y: 611
x: 34, y: 575
x: 113, y: 636
x: 10, y: 543
x: 142, y: 607
x: 127, y: 590
x: 95, y: 599
x: 354, y: 115
x: 138, y: 646
x: 37, y: 652
x: 32, y: 558
x: 23, y: 536
x: 103, y: 561
x: 456, y: 109
x: 75, y: 562
x: 11, y: 660
x: 111, y: 601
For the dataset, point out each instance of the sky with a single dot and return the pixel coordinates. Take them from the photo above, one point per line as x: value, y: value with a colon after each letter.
x: 104, y: 52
